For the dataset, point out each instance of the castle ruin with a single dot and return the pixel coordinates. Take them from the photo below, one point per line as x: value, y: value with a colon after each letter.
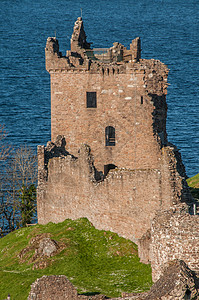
x: 110, y: 160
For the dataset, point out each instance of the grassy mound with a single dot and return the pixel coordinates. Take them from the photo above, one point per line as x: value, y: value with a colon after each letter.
x: 193, y: 183
x: 95, y: 261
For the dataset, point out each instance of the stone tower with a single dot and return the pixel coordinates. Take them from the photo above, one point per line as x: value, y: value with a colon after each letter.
x: 110, y: 160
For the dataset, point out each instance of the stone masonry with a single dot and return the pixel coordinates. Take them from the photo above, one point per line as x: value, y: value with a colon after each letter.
x: 174, y: 235
x: 57, y: 287
x: 110, y: 160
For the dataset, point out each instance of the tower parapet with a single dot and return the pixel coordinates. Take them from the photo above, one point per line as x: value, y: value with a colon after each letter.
x: 81, y: 53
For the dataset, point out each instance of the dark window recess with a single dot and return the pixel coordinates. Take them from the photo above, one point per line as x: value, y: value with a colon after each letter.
x: 107, y: 168
x: 91, y: 99
x: 187, y: 294
x: 141, y: 99
x: 110, y: 136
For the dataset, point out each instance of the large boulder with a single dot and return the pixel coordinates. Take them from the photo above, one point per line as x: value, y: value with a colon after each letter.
x: 47, y: 247
x: 44, y: 248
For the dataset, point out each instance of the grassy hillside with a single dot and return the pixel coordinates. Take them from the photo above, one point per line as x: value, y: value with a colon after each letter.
x: 94, y: 261
x: 193, y: 183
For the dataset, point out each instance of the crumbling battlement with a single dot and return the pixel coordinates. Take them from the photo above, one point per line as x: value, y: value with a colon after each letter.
x: 114, y: 60
x: 82, y: 56
x: 68, y: 188
x: 123, y: 201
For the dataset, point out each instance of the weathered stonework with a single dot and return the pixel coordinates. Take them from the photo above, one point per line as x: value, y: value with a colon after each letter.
x: 57, y: 287
x: 174, y: 235
x: 129, y: 171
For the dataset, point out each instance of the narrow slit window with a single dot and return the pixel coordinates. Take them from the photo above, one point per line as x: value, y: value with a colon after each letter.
x: 110, y: 136
x: 91, y: 99
x: 141, y: 99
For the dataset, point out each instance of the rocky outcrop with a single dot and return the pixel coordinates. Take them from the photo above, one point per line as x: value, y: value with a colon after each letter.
x: 44, y: 248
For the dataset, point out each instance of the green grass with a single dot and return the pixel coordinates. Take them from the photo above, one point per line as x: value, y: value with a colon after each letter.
x: 193, y: 183
x: 95, y: 261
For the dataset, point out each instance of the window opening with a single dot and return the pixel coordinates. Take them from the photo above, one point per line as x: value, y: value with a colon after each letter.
x: 110, y: 136
x: 107, y: 168
x: 141, y: 99
x: 91, y: 99
x: 187, y: 294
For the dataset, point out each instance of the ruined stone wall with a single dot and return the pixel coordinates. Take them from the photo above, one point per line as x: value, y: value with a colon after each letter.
x: 57, y: 287
x: 124, y: 202
x: 174, y: 234
x: 173, y: 178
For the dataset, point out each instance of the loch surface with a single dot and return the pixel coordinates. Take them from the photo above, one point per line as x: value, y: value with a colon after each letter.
x: 168, y: 30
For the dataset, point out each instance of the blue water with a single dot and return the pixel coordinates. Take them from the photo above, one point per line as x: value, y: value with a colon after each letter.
x: 169, y: 31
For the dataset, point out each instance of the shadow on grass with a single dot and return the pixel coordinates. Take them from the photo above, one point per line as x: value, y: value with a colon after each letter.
x: 92, y: 294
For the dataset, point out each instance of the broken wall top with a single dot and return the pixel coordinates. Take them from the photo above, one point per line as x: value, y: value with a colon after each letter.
x: 118, y: 59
